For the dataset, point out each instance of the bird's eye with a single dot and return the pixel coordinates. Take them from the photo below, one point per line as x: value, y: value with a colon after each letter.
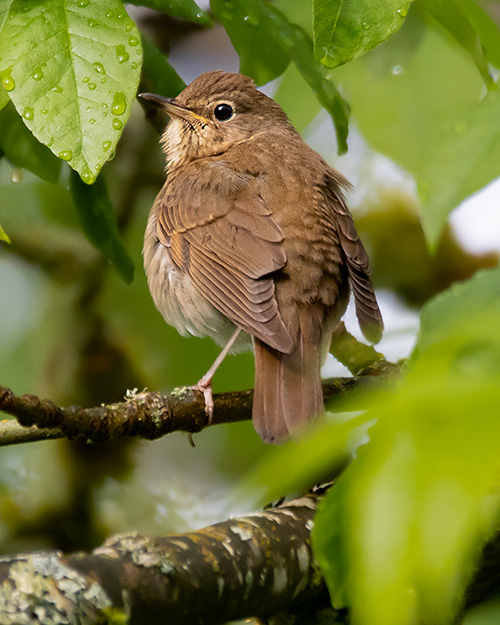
x: 223, y: 112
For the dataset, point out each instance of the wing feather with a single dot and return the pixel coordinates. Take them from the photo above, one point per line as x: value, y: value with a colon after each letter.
x: 358, y: 264
x: 225, y: 238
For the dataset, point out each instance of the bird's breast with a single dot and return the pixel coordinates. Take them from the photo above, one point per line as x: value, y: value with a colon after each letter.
x: 177, y: 299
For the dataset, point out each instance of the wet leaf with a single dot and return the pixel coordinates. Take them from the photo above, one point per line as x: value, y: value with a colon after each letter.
x: 71, y: 70
x: 346, y: 29
x: 404, y: 92
x: 99, y: 223
x: 266, y: 41
x: 23, y: 150
x: 462, y: 159
x: 245, y: 21
x: 454, y: 18
x: 298, y: 45
x: 184, y: 9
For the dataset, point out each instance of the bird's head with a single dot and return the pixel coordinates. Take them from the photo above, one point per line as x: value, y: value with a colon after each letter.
x: 217, y: 110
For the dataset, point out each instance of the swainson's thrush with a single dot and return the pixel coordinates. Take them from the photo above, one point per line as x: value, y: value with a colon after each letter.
x: 251, y: 232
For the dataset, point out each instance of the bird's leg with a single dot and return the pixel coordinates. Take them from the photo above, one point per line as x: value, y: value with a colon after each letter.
x: 205, y: 384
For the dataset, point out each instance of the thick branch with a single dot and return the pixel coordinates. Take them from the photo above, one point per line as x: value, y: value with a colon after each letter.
x: 147, y: 415
x: 248, y: 566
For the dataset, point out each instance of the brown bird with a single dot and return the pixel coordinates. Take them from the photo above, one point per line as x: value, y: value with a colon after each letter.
x: 251, y: 233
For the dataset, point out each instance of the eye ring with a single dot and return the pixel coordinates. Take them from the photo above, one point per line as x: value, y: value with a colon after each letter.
x: 223, y: 112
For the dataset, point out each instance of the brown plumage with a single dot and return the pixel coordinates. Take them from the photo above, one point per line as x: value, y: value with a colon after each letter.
x: 251, y: 231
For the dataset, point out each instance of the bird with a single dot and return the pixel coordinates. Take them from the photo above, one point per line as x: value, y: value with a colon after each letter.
x: 250, y: 242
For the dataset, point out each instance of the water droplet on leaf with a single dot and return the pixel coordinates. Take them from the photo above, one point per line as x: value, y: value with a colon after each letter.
x: 91, y: 121
x: 28, y: 113
x: 43, y: 111
x: 82, y: 3
x: 106, y: 145
x: 366, y: 26
x: 402, y: 12
x: 128, y: 28
x: 87, y: 177
x: 66, y: 155
x: 109, y: 13
x: 117, y: 124
x: 99, y: 68
x: 134, y: 65
x: 133, y: 41
x: 7, y: 81
x: 57, y: 89
x: 119, y: 104
x: 92, y: 86
x: 38, y: 74
x: 16, y: 175
x: 85, y: 79
x: 122, y: 54
x: 93, y: 23
x: 253, y: 20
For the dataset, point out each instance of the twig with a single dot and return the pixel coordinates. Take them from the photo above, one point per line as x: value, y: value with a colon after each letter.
x: 147, y: 415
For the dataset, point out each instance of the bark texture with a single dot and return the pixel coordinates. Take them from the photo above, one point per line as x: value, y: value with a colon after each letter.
x: 249, y: 566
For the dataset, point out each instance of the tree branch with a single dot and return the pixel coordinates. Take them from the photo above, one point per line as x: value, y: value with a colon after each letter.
x: 247, y: 566
x: 147, y: 415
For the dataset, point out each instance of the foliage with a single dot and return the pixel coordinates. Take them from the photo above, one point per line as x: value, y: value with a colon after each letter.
x: 399, y: 533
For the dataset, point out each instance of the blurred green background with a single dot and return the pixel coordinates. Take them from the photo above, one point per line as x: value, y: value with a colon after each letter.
x: 73, y: 331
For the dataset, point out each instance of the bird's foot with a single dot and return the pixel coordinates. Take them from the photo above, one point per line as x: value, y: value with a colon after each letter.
x: 205, y: 386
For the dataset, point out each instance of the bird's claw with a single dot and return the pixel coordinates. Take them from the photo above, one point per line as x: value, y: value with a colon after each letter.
x: 205, y: 386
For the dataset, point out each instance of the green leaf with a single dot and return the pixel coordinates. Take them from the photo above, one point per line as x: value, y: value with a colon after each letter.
x: 72, y: 69
x: 297, y: 12
x: 253, y: 37
x: 484, y: 614
x: 184, y: 9
x: 99, y: 223
x: 23, y: 150
x: 488, y: 30
x: 464, y: 300
x: 266, y: 40
x: 4, y: 98
x: 404, y: 92
x: 461, y: 160
x: 158, y: 76
x: 452, y: 16
x: 398, y: 535
x: 307, y: 460
x: 4, y: 236
x: 346, y: 29
x: 297, y: 99
x: 298, y: 45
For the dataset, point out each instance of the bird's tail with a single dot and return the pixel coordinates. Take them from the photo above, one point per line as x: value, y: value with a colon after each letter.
x: 288, y: 391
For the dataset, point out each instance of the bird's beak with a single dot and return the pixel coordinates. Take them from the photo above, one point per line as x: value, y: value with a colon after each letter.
x: 170, y: 106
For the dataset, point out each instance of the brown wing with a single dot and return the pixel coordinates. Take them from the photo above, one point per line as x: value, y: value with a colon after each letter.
x: 221, y: 232
x: 358, y: 264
